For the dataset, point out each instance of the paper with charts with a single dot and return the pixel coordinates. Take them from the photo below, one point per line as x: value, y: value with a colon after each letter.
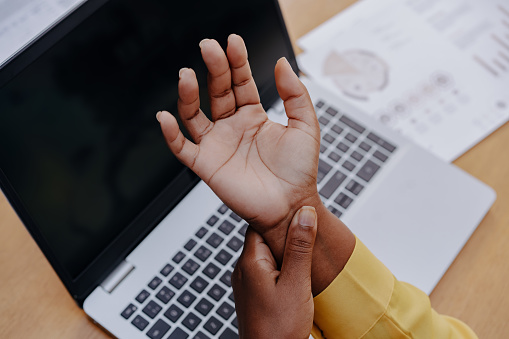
x: 436, y: 71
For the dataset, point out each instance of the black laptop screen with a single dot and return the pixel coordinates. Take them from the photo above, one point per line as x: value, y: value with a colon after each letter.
x: 80, y: 145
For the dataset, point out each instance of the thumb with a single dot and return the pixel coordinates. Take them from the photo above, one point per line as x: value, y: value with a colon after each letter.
x: 298, y: 105
x: 298, y: 254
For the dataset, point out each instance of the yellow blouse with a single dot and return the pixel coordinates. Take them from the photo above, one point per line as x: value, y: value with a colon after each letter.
x: 366, y: 301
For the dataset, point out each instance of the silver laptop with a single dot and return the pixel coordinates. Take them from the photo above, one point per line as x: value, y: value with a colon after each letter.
x: 141, y: 243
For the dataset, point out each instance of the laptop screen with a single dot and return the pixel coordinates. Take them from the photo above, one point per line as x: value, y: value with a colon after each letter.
x: 82, y: 156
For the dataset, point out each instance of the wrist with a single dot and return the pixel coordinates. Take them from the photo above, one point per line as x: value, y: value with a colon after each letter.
x: 334, y: 245
x: 275, y: 237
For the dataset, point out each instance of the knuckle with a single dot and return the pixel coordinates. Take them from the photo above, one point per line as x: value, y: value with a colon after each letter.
x: 301, y: 245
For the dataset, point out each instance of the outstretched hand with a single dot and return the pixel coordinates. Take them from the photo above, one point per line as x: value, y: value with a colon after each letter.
x: 262, y: 170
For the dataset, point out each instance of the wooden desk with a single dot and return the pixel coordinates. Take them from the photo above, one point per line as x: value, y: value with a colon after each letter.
x: 34, y: 303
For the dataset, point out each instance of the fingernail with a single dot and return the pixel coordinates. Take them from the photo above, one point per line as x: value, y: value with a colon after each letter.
x: 231, y: 36
x: 180, y: 72
x: 158, y: 116
x: 307, y: 216
x: 202, y: 42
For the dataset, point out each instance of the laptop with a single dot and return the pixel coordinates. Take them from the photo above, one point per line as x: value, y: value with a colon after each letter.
x: 144, y: 246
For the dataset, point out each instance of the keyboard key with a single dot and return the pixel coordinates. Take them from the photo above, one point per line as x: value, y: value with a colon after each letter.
x: 129, y: 310
x: 212, y: 220
x: 190, y: 244
x: 215, y: 240
x: 323, y: 170
x: 335, y: 211
x: 166, y: 270
x: 364, y: 146
x: 343, y: 200
x: 235, y: 217
x: 226, y: 227
x: 204, y: 306
x: 332, y: 185
x: 211, y: 270
x: 178, y: 280
x: 323, y: 121
x: 201, y: 335
x: 154, y: 283
x: 380, y: 156
x: 229, y: 334
x: 142, y: 296
x: 338, y: 129
x: 235, y: 322
x: 165, y: 294
x: 202, y: 253
x: 223, y: 257
x: 213, y: 325
x: 223, y: 209
x: 216, y: 292
x: 368, y: 170
x: 190, y: 267
x: 226, y: 278
x: 178, y: 333
x: 354, y: 187
x: 140, y: 322
x: 158, y: 330
x: 225, y: 310
x: 191, y: 321
x: 178, y: 257
x: 329, y: 138
x: 243, y: 230
x: 199, y: 284
x: 350, y: 137
x: 173, y: 313
x: 376, y: 139
x: 152, y: 309
x: 232, y: 297
x: 319, y: 104
x: 201, y: 232
x: 357, y: 156
x: 342, y: 147
x: 235, y: 244
x: 322, y: 148
x: 348, y: 165
x: 352, y: 124
x: 334, y: 156
x: 331, y: 111
x: 186, y: 298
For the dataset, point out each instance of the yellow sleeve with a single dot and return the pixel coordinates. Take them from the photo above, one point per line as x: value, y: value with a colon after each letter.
x: 366, y: 301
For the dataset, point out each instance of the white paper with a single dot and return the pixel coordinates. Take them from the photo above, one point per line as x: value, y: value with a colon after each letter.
x: 433, y: 70
x: 22, y: 21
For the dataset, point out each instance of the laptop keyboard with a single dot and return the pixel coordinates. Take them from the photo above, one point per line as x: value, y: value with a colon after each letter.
x: 350, y: 156
x: 191, y: 296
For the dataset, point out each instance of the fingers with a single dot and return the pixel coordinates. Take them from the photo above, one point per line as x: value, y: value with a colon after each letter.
x: 298, y: 105
x: 296, y: 267
x: 183, y: 149
x: 222, y: 98
x: 244, y: 85
x: 256, y: 255
x: 256, y: 263
x: 195, y: 121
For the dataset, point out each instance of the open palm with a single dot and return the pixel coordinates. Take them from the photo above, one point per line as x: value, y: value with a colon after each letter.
x: 262, y: 170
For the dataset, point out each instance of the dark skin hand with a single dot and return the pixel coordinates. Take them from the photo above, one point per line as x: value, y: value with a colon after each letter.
x: 272, y: 303
x: 265, y: 172
x: 241, y: 154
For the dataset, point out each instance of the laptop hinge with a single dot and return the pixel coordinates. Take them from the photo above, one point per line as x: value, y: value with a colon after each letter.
x: 116, y: 277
